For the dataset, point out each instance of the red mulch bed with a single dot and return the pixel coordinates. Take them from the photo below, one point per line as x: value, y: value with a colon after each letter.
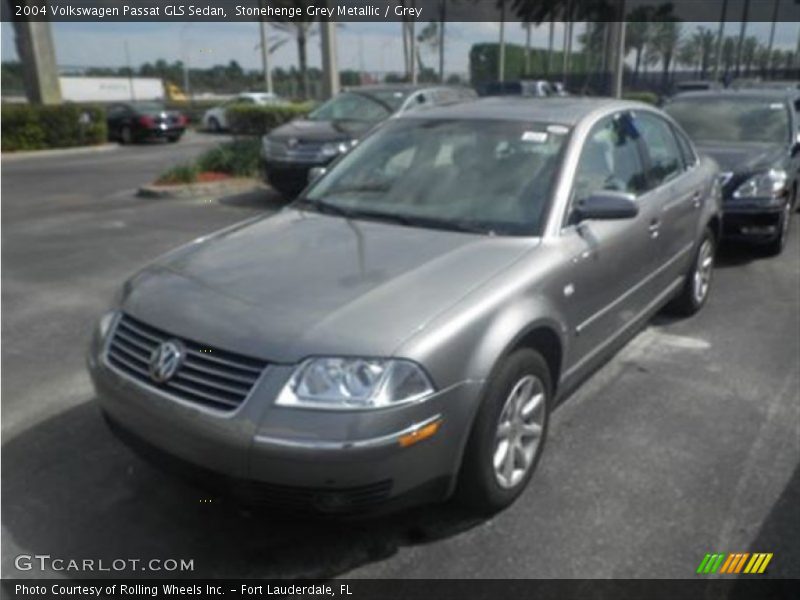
x: 209, y: 176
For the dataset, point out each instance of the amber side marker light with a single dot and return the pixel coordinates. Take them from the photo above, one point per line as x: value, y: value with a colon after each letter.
x: 423, y: 433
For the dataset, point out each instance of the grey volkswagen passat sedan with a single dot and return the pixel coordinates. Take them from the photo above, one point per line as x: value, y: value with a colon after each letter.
x: 402, y: 332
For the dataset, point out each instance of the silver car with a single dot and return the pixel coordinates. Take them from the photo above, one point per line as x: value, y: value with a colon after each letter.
x: 402, y: 332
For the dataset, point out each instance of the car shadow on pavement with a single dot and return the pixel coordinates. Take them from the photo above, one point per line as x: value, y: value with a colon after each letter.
x: 730, y: 255
x: 71, y: 490
x: 265, y: 197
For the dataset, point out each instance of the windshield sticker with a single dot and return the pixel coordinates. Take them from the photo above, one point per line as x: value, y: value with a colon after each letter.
x: 537, y: 137
x: 557, y: 129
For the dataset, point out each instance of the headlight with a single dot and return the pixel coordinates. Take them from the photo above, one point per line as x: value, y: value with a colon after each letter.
x: 336, y: 148
x: 342, y: 383
x: 768, y: 184
x: 104, y: 324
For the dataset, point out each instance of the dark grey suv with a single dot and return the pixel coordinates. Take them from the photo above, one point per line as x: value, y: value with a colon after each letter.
x: 402, y: 332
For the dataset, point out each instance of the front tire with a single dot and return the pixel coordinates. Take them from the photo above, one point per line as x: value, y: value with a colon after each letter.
x: 776, y: 246
x: 508, y: 436
x: 697, y: 286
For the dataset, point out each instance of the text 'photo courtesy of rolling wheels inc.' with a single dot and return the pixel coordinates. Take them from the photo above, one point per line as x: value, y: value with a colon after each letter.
x: 400, y: 299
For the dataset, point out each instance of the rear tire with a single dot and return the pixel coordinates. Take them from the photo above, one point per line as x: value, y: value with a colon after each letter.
x: 126, y: 135
x: 697, y: 286
x: 508, y: 435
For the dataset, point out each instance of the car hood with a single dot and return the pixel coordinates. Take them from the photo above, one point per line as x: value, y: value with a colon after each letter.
x: 320, y: 131
x: 300, y: 284
x: 745, y: 158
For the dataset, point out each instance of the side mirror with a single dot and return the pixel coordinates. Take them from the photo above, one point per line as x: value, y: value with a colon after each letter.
x: 607, y: 205
x: 796, y: 144
x: 315, y: 173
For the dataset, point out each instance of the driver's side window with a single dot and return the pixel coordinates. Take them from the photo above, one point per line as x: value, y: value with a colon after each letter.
x: 610, y: 160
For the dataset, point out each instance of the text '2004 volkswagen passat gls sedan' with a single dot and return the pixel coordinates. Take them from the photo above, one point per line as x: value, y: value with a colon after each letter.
x: 401, y: 332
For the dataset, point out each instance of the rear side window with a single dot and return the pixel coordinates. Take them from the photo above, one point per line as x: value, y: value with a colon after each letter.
x: 689, y: 157
x: 666, y: 160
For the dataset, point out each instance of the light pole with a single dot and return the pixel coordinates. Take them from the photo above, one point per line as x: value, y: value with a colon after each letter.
x: 265, y: 56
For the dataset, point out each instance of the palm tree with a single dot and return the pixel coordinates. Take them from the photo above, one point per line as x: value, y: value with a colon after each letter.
x: 704, y: 39
x: 749, y: 50
x: 301, y: 28
x: 665, y: 40
x: 638, y: 35
x: 527, y: 25
x: 689, y: 54
x: 742, y: 32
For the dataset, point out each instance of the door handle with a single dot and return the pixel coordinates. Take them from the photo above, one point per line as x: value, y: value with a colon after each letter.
x: 654, y: 228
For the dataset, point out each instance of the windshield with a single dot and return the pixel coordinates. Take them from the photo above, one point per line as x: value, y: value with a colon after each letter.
x: 476, y: 175
x: 351, y: 107
x: 732, y: 119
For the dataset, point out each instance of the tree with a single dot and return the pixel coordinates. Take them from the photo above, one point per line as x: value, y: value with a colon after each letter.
x: 704, y: 40
x: 638, y: 35
x: 665, y: 41
x: 301, y: 28
x: 749, y: 51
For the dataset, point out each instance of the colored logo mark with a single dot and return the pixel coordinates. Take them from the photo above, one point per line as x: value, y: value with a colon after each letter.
x: 734, y: 562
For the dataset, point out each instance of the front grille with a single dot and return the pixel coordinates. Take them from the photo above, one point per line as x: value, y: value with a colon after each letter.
x: 310, y: 152
x: 208, y: 376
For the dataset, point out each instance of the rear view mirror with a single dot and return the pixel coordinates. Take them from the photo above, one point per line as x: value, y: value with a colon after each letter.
x: 315, y: 173
x: 607, y: 205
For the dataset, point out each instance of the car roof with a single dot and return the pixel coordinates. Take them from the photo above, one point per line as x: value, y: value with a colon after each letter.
x: 749, y: 92
x: 565, y: 110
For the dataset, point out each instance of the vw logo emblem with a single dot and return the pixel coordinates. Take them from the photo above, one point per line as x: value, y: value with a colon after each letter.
x: 292, y: 142
x: 165, y: 360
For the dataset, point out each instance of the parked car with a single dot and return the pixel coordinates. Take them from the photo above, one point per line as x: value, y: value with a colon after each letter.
x: 697, y: 85
x: 539, y: 88
x: 216, y: 118
x: 142, y: 121
x: 292, y: 150
x: 753, y: 135
x: 402, y: 332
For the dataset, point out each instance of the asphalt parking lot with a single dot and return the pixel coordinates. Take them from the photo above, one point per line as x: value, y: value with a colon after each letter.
x: 686, y: 442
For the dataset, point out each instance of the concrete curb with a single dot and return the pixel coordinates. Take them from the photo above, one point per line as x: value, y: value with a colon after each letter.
x: 12, y: 156
x: 225, y: 187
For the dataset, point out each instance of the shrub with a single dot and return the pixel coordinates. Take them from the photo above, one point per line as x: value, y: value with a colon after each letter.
x: 258, y: 120
x: 33, y: 127
x: 239, y: 158
x: 185, y: 173
x: 648, y: 97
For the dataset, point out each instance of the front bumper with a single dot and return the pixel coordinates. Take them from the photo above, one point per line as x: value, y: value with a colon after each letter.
x: 288, y: 176
x: 754, y: 221
x: 329, y: 461
x: 159, y: 133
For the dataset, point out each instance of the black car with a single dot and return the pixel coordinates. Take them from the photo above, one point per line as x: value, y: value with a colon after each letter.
x: 753, y: 135
x: 142, y: 121
x: 289, y: 152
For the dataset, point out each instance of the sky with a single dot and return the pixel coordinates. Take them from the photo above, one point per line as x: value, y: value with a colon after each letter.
x: 373, y: 47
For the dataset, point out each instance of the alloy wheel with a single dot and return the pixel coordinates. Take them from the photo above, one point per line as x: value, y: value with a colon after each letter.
x: 703, y: 271
x: 519, y: 431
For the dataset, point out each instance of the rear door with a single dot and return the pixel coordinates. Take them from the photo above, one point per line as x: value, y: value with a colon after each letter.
x: 677, y: 191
